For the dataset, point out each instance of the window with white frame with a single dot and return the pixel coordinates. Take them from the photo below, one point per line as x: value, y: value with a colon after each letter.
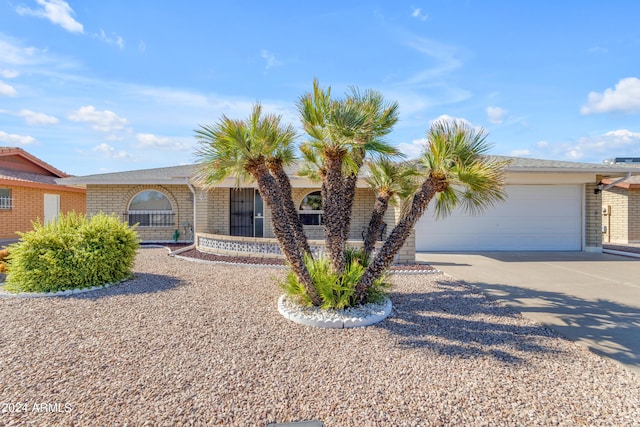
x: 310, y: 210
x: 5, y: 198
x: 150, y: 208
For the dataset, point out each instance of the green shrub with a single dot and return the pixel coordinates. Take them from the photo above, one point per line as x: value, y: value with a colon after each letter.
x: 336, y: 291
x: 72, y: 252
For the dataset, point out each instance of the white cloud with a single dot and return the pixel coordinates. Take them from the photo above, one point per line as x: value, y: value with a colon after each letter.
x: 57, y: 11
x: 9, y: 74
x: 412, y: 149
x: 270, y: 59
x: 13, y: 139
x: 446, y: 117
x: 35, y: 119
x: 417, y: 13
x: 591, y: 148
x: 496, y: 115
x: 112, y: 39
x: 110, y: 152
x: 625, y: 98
x: 542, y: 144
x: 102, y: 121
x: 7, y: 90
x: 151, y: 141
x: 520, y: 153
x: 444, y: 56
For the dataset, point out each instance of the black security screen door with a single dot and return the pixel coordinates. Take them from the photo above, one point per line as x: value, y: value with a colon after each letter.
x: 241, y: 212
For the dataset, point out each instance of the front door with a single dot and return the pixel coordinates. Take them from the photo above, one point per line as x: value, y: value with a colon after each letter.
x: 246, y: 213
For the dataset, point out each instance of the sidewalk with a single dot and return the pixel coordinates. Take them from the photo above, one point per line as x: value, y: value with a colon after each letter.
x: 6, y: 242
x: 630, y: 249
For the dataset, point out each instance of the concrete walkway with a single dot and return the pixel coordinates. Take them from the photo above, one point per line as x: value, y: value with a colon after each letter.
x: 591, y: 298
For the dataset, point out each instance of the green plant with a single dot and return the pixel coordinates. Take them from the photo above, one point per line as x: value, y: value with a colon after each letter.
x: 72, y: 252
x: 337, y: 291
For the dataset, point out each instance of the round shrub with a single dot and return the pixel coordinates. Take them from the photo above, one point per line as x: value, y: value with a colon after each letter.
x: 72, y: 252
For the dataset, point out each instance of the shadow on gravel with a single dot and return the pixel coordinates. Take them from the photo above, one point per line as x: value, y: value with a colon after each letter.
x: 142, y: 283
x: 605, y: 327
x: 441, y: 321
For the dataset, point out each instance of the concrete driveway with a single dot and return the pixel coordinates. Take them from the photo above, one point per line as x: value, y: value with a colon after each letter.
x: 591, y: 298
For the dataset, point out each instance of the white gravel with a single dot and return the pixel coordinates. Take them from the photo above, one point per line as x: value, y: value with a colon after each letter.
x: 200, y: 344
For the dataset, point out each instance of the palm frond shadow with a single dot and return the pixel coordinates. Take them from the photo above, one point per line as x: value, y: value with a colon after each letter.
x: 458, y: 322
x: 141, y: 283
x: 609, y: 328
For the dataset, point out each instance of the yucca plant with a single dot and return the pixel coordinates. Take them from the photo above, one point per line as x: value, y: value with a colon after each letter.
x: 336, y: 290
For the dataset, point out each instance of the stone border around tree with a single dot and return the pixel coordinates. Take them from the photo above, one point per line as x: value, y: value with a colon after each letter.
x: 354, y: 317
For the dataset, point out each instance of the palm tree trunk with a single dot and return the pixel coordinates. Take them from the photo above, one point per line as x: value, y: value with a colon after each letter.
x: 348, y: 195
x: 375, y: 224
x: 333, y: 206
x: 398, y: 236
x: 270, y: 192
x: 277, y: 170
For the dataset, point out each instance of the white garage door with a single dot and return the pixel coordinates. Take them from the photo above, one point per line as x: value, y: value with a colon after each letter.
x: 533, y: 218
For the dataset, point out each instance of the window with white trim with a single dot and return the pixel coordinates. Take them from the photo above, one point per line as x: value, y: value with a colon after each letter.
x: 310, y: 210
x: 150, y: 208
x: 5, y: 198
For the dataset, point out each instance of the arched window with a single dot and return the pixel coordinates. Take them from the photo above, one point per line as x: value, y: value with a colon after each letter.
x: 150, y: 208
x: 310, y: 210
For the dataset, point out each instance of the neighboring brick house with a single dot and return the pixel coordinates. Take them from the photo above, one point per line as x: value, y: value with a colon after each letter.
x: 621, y: 211
x: 550, y: 206
x: 29, y: 192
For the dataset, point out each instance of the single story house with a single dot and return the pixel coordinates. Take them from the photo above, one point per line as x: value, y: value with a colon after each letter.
x: 551, y: 205
x: 29, y: 192
x: 621, y: 210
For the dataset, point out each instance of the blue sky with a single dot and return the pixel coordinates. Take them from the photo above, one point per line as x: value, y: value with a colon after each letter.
x: 99, y: 86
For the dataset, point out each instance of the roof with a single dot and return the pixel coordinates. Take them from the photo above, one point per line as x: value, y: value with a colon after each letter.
x: 524, y: 164
x: 167, y: 175
x: 180, y: 174
x: 25, y: 173
x: 16, y: 151
x: 632, y: 182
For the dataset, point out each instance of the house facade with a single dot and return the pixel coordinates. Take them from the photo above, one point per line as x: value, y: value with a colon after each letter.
x: 550, y: 206
x: 621, y: 211
x: 29, y: 192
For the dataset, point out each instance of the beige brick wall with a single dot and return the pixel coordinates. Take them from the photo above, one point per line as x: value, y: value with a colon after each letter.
x: 634, y: 215
x: 28, y: 206
x: 616, y: 202
x: 115, y: 199
x: 623, y: 219
x: 593, y: 219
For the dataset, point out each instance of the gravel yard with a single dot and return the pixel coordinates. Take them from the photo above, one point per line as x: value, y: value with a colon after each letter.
x: 187, y: 343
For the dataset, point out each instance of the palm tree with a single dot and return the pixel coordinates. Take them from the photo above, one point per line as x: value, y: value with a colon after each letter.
x: 283, y: 155
x: 393, y: 183
x: 241, y: 149
x: 456, y: 170
x: 342, y: 133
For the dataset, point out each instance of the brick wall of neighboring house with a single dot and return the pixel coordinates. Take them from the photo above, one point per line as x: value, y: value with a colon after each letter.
x: 615, y: 215
x: 634, y: 215
x: 115, y: 199
x: 28, y: 206
x: 593, y: 219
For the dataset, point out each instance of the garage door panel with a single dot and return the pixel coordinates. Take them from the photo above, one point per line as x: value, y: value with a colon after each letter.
x: 532, y: 218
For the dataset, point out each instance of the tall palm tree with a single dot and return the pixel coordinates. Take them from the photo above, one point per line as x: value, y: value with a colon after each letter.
x: 393, y: 183
x: 456, y: 171
x: 342, y: 133
x: 281, y: 155
x: 241, y: 149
